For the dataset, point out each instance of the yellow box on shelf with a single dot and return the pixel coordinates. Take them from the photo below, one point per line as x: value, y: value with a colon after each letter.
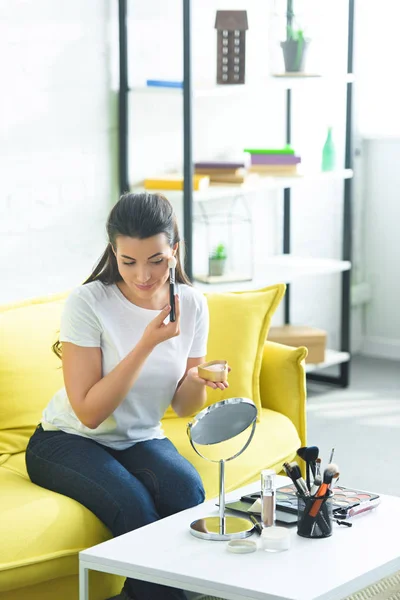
x: 175, y: 182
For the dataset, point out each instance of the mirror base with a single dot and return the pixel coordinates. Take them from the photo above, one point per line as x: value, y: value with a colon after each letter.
x: 231, y: 528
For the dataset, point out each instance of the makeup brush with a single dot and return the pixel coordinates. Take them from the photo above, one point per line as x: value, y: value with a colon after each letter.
x: 330, y: 472
x: 318, y: 477
x: 172, y: 265
x: 293, y: 471
x: 309, y: 454
x: 288, y: 471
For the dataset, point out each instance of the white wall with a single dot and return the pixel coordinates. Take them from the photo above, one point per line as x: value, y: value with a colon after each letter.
x: 382, y: 248
x: 378, y: 131
x: 56, y: 135
x: 58, y: 147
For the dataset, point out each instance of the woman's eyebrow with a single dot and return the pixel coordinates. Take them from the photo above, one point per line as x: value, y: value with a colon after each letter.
x: 152, y: 256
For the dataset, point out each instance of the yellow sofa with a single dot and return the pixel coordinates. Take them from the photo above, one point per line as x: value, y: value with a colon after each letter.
x: 42, y: 532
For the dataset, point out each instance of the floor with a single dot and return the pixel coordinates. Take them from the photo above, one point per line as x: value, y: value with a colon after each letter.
x: 362, y: 423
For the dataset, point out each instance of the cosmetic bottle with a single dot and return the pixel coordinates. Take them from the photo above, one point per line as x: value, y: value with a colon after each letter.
x: 268, y: 497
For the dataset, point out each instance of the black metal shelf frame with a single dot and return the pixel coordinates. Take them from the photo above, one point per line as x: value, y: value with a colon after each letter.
x: 123, y: 122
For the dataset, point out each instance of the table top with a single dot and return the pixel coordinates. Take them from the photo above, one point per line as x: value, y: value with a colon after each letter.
x: 324, y: 569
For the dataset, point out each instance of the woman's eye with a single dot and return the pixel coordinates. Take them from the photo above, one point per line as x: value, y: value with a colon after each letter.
x: 153, y: 262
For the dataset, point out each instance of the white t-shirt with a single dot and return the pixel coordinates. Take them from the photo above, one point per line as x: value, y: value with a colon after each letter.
x: 99, y: 315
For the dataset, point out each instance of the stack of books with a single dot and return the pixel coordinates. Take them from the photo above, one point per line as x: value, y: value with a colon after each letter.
x: 171, y: 181
x: 223, y: 171
x: 274, y: 162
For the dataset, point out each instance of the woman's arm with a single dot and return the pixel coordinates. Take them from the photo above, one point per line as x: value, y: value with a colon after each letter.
x: 93, y: 397
x: 191, y: 393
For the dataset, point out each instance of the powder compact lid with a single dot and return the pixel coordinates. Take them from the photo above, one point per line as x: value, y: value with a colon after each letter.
x: 242, y: 546
x: 215, y: 370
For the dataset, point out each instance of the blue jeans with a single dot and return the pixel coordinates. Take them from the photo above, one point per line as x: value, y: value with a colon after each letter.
x: 125, y: 489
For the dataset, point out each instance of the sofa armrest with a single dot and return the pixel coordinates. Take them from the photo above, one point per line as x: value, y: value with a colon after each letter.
x: 283, y: 383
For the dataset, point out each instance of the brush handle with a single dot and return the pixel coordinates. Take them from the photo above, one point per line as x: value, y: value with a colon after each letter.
x: 308, y: 475
x: 323, y: 488
x: 172, y: 314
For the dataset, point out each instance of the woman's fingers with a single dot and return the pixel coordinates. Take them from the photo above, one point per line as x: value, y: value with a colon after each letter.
x: 211, y: 384
x: 218, y: 385
x: 177, y: 307
x: 222, y: 385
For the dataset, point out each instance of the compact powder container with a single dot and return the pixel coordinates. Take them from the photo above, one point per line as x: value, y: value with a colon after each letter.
x: 215, y: 371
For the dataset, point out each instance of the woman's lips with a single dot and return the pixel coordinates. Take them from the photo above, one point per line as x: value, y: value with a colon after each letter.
x: 144, y: 287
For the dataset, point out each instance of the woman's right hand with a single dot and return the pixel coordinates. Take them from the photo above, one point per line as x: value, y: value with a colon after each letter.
x: 157, y: 331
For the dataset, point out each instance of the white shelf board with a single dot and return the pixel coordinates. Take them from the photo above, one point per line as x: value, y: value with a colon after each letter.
x: 255, y: 184
x: 283, y: 268
x: 210, y: 90
x: 332, y: 357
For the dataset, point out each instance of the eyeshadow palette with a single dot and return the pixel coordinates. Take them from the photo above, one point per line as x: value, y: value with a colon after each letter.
x: 343, y: 498
x: 283, y: 516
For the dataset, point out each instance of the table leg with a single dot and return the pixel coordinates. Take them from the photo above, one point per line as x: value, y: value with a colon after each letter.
x: 83, y: 582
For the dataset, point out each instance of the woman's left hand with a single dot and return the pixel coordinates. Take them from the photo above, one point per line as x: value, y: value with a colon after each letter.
x: 193, y: 374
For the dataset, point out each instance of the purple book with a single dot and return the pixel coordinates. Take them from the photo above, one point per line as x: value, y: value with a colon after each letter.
x: 275, y: 159
x: 223, y: 164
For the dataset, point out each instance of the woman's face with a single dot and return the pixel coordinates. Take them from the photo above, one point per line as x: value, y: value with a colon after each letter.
x: 143, y: 264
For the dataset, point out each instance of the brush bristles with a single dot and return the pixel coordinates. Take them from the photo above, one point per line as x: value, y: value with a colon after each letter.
x: 172, y: 262
x: 332, y: 468
x: 331, y: 471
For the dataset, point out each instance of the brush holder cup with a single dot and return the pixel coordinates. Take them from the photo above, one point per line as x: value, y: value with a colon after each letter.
x: 314, y: 516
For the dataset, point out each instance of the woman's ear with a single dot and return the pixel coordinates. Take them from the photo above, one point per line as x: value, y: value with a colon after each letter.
x: 175, y: 249
x: 113, y: 249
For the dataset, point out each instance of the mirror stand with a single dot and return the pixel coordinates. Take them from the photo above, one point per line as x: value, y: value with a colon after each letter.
x: 222, y: 527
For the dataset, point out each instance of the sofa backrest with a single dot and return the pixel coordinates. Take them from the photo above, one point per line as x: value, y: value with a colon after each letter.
x: 29, y: 372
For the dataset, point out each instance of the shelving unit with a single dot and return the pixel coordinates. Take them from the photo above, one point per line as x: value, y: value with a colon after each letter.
x: 258, y: 184
x: 284, y: 81
x: 285, y: 267
x: 282, y: 268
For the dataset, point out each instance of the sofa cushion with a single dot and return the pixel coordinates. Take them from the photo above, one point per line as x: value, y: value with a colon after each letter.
x: 275, y: 441
x: 29, y: 372
x: 42, y: 531
x: 239, y: 325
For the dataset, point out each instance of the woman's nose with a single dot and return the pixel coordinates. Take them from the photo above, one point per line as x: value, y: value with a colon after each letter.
x: 143, y: 275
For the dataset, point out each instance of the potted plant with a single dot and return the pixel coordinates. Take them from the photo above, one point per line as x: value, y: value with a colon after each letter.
x: 217, y: 261
x: 295, y: 46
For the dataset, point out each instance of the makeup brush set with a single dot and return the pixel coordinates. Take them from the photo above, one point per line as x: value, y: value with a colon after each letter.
x: 295, y: 502
x: 320, y: 500
x: 314, y: 510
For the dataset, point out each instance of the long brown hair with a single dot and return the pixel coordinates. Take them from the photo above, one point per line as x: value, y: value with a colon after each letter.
x: 139, y: 216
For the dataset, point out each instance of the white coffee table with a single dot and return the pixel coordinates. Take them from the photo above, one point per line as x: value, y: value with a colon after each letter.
x: 326, y: 569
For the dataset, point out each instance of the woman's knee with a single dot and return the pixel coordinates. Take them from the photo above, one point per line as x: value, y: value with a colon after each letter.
x: 185, y: 491
x: 195, y: 493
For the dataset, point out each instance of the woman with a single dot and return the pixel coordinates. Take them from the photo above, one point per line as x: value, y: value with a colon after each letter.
x: 100, y: 440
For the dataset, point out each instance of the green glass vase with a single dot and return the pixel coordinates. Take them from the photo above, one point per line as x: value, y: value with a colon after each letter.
x: 328, y: 153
